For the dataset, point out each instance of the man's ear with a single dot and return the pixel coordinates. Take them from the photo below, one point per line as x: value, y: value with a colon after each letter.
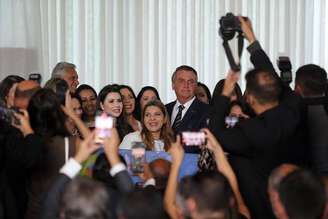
x: 250, y: 99
x: 298, y: 89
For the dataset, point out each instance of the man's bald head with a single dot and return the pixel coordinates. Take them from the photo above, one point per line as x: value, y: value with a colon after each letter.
x: 160, y: 169
x: 24, y: 92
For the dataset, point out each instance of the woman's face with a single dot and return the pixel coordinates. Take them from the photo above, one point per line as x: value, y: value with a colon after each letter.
x: 77, y: 107
x: 112, y: 104
x: 89, y: 101
x: 154, y: 119
x: 147, y: 96
x: 128, y: 101
x: 201, y: 94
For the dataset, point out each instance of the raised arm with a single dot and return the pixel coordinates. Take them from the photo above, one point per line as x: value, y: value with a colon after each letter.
x: 224, y: 167
x: 258, y: 57
x: 118, y: 170
x: 177, y: 153
x: 71, y: 168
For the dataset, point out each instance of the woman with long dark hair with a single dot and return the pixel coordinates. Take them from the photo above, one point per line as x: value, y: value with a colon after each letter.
x: 129, y: 103
x: 110, y: 101
x: 88, y: 97
x: 7, y: 89
x: 145, y: 95
x: 156, y: 131
x: 48, y: 120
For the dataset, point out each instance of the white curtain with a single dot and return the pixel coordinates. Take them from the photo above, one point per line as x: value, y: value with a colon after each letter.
x: 141, y: 42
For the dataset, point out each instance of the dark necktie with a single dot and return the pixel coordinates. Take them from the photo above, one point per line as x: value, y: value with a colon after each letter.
x: 178, y: 118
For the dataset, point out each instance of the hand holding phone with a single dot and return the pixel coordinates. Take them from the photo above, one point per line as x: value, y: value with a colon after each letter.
x: 193, y: 139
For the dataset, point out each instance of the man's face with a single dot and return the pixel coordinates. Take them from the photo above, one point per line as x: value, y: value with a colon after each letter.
x: 72, y: 79
x: 184, y: 85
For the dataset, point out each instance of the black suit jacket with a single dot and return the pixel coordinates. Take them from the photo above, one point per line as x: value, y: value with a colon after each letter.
x: 50, y: 207
x: 257, y: 145
x: 195, y: 119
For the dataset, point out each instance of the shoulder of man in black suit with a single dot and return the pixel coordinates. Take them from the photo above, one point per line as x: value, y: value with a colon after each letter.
x: 169, y: 107
x: 200, y: 106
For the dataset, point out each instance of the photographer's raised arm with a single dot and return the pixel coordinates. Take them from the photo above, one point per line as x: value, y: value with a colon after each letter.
x: 258, y: 57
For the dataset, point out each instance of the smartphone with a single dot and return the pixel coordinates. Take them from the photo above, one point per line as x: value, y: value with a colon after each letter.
x: 103, y: 125
x: 138, y: 157
x: 231, y: 121
x: 193, y: 138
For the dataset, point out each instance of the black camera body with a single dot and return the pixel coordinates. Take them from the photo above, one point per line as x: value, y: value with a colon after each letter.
x: 229, y: 25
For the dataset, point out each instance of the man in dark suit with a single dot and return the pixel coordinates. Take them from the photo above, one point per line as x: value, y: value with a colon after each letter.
x: 187, y: 113
x: 257, y: 145
x: 311, y: 84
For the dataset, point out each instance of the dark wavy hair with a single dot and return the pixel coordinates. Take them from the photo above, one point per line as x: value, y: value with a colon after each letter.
x: 81, y: 88
x: 137, y: 111
x: 6, y: 84
x: 46, y: 115
x: 219, y: 88
x: 207, y: 91
x: 121, y: 122
x: 166, y: 131
x: 85, y: 87
x: 123, y: 86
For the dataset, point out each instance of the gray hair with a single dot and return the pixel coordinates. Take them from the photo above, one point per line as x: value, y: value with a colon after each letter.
x: 61, y: 68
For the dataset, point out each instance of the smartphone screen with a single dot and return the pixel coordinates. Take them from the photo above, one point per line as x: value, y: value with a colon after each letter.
x: 103, y: 125
x: 193, y: 138
x: 138, y: 157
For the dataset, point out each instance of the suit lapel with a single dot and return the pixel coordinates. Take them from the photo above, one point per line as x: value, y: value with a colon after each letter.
x: 188, y: 118
x: 169, y: 108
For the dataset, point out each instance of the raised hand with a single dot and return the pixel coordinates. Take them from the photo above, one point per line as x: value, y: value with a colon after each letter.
x: 246, y: 26
x: 230, y: 83
x: 86, y: 148
x: 177, y: 152
x: 22, y: 122
x: 111, y: 146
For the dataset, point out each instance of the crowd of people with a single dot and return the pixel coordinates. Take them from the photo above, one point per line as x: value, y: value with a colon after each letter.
x: 265, y: 154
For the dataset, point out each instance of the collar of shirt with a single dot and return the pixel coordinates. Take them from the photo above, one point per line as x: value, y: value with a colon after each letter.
x: 176, y: 109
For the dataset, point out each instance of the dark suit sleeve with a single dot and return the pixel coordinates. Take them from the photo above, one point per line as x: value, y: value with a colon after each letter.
x: 23, y: 152
x: 259, y: 58
x: 232, y: 140
x: 50, y: 206
x: 123, y: 182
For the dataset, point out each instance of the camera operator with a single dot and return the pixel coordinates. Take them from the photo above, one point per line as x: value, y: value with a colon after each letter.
x: 259, y: 144
x: 310, y: 99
